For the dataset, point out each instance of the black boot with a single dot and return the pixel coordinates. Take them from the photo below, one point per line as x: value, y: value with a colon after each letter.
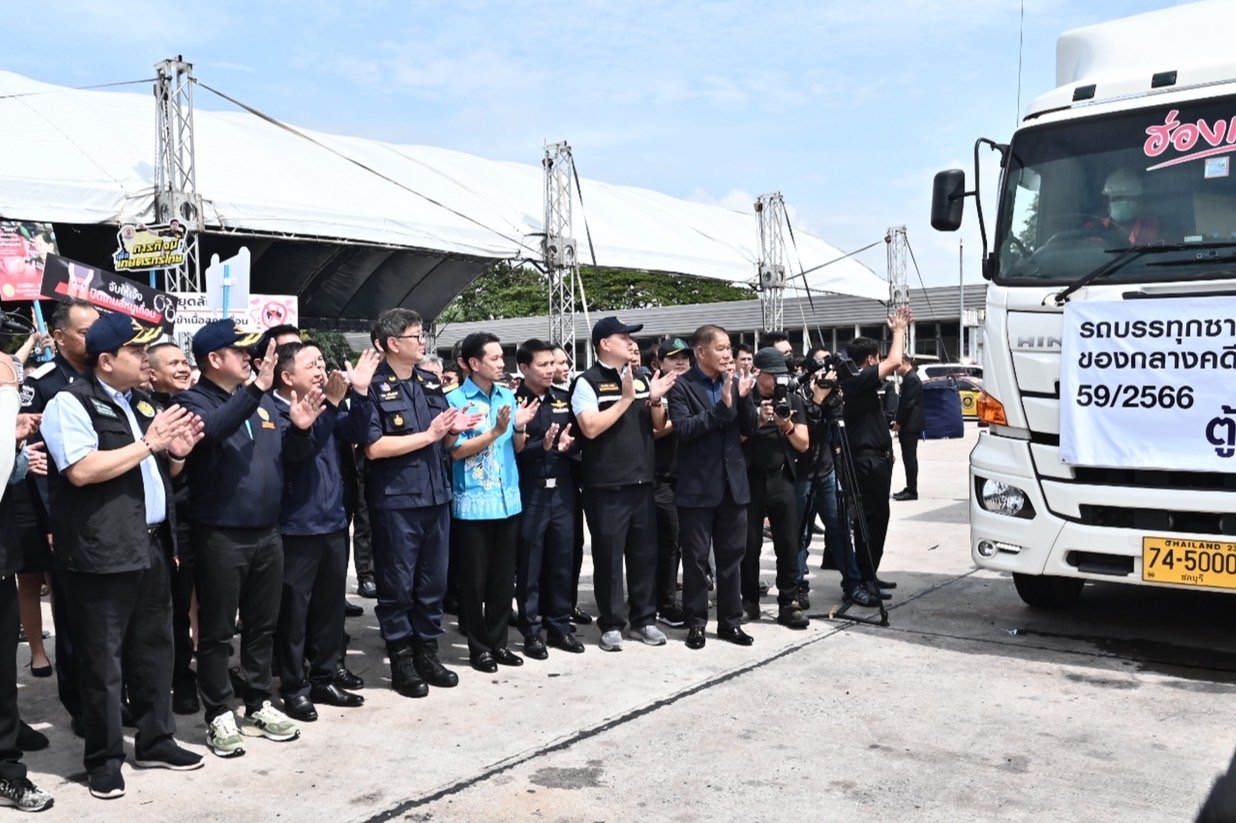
x: 425, y: 656
x: 404, y: 677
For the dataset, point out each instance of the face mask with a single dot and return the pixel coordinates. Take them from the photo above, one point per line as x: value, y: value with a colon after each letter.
x: 1123, y: 211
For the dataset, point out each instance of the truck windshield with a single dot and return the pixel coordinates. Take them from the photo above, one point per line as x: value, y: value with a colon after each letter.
x: 1079, y: 194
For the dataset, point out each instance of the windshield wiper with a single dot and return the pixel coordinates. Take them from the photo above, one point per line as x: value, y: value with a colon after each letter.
x: 1217, y: 258
x: 1130, y: 254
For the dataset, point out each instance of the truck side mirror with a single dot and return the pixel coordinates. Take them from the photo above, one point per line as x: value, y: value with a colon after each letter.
x: 948, y: 198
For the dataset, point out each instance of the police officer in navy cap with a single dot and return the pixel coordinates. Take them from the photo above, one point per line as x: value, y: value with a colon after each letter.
x: 409, y: 428
x: 115, y: 452
x: 234, y: 477
x: 544, y: 584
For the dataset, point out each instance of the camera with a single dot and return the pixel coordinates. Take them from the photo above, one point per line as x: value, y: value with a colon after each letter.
x: 781, y: 394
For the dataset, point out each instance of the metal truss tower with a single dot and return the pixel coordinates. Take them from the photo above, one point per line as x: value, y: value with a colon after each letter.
x: 175, y: 193
x: 898, y: 250
x: 558, y: 246
x: 770, y: 210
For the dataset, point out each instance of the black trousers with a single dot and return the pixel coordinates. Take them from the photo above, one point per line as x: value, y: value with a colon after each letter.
x: 669, y: 554
x: 873, y: 479
x: 622, y: 523
x: 123, y: 626
x: 236, y: 569
x: 486, y: 552
x: 68, y: 687
x: 772, y: 496
x: 182, y: 601
x: 577, y: 555
x: 724, y: 528
x: 11, y: 767
x: 544, y: 581
x: 909, y: 458
x: 362, y: 541
x: 310, y: 627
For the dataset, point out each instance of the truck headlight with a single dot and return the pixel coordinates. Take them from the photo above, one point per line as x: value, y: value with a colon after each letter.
x: 1001, y: 498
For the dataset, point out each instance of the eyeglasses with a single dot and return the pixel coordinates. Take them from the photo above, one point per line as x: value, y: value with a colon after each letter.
x: 419, y: 337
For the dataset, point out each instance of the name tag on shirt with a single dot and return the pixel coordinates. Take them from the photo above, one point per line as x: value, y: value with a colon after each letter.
x: 104, y: 409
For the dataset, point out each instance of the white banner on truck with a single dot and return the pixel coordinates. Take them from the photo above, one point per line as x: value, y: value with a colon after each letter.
x: 1150, y: 384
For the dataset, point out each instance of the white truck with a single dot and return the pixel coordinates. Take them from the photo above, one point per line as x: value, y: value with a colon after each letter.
x: 1117, y: 204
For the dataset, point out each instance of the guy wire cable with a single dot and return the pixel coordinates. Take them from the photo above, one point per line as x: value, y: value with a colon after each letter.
x: 291, y: 130
x: 79, y: 88
x: 819, y: 332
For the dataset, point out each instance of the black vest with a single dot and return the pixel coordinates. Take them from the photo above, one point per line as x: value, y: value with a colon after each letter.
x: 101, y: 527
x: 624, y: 453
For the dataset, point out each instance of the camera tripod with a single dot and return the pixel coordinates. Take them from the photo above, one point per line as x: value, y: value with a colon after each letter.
x: 851, y: 510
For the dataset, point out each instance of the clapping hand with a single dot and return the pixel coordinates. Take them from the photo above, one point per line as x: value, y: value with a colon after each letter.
x: 361, y: 375
x: 566, y: 439
x: 305, y: 410
x: 527, y: 413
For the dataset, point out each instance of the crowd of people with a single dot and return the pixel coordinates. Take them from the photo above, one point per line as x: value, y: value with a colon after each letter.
x: 178, y: 508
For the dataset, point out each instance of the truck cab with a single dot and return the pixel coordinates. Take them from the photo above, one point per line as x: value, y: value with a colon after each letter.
x: 1118, y: 186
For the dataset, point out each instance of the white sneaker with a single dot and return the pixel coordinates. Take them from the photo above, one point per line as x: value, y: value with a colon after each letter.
x: 649, y: 634
x: 223, y: 738
x: 270, y: 723
x: 611, y: 641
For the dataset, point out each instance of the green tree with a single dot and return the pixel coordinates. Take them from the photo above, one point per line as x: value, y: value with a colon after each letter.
x: 507, y: 291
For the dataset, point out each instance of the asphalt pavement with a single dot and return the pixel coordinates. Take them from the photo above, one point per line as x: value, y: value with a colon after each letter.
x: 967, y: 706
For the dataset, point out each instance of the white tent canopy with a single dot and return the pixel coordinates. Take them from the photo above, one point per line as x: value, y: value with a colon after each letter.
x: 86, y: 157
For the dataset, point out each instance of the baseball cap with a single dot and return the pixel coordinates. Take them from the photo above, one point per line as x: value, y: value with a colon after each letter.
x: 221, y: 334
x: 771, y: 361
x: 612, y: 325
x: 111, y: 331
x: 675, y: 345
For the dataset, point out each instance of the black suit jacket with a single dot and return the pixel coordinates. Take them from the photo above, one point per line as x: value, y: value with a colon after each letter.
x: 910, y: 407
x: 709, y: 434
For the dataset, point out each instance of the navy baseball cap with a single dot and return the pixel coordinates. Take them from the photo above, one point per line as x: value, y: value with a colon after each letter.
x: 221, y: 334
x: 111, y: 331
x: 771, y: 361
x: 607, y: 326
x: 675, y: 345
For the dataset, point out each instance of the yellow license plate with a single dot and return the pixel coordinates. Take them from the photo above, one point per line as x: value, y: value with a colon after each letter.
x: 1185, y: 562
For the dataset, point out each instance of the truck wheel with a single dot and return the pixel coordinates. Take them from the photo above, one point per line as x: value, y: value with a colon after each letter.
x: 1046, y: 592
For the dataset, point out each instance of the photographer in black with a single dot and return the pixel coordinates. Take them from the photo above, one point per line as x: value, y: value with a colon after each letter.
x: 772, y: 453
x: 817, y: 486
x: 870, y: 442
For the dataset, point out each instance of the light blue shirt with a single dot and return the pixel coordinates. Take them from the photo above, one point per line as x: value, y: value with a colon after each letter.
x: 70, y: 436
x: 486, y: 485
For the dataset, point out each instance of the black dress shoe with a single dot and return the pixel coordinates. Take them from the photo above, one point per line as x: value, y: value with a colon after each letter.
x: 29, y: 740
x: 534, y: 647
x: 580, y: 617
x: 695, y: 637
x: 332, y: 695
x: 299, y: 707
x: 885, y: 584
x: 368, y: 589
x: 352, y: 610
x: 345, y: 679
x: 736, y: 636
x: 905, y: 495
x: 566, y: 642
x: 792, y: 617
x: 484, y: 662
x: 506, y: 657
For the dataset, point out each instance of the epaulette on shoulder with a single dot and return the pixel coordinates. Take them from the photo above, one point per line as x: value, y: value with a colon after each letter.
x: 41, y: 371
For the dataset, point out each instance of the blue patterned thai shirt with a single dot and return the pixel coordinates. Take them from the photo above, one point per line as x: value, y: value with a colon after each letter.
x: 486, y: 485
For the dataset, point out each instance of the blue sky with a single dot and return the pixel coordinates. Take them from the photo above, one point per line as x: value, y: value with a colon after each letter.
x: 846, y: 108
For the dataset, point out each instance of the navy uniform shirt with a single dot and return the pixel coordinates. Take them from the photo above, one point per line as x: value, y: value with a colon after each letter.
x: 235, y: 470
x: 313, y: 487
x: 534, y: 462
x: 398, y: 408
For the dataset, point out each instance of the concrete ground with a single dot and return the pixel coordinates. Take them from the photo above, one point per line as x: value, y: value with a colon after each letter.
x: 969, y: 706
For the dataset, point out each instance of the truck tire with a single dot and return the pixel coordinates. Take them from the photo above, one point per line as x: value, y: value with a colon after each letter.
x: 1047, y: 592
